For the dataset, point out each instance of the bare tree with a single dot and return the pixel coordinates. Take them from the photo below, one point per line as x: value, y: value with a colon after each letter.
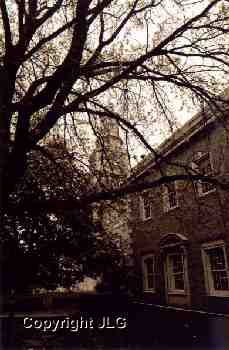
x: 68, y: 61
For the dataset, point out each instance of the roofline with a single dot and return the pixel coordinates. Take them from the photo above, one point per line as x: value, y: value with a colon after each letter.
x: 179, y: 137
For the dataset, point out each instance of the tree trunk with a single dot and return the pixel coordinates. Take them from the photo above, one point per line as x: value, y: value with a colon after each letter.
x: 5, y: 114
x: 4, y: 151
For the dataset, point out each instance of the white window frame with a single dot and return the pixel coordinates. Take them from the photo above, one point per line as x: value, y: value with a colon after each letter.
x: 165, y: 194
x: 169, y: 274
x: 209, y: 283
x: 142, y: 207
x: 199, y: 184
x: 145, y: 273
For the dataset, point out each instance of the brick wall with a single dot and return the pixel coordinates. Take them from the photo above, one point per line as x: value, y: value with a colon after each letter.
x: 199, y: 219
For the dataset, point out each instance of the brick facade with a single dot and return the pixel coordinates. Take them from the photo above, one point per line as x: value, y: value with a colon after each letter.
x: 195, y: 221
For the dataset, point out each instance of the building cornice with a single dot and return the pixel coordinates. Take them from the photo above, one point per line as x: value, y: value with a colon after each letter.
x: 173, y: 143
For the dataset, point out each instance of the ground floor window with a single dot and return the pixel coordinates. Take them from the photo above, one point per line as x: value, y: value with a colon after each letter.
x: 176, y: 272
x: 148, y: 265
x: 216, y: 268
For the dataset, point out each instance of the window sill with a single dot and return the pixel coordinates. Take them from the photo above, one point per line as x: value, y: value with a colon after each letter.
x: 203, y: 194
x: 152, y: 291
x: 220, y: 294
x: 146, y: 219
x: 176, y: 292
x: 167, y: 210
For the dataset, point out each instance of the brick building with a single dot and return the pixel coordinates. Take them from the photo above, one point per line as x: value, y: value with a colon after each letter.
x: 180, y: 231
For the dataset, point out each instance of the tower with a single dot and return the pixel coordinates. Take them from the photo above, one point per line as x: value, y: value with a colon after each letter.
x: 110, y: 168
x: 109, y: 162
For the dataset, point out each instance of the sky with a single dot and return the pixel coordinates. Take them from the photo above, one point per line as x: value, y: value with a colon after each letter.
x: 131, y: 40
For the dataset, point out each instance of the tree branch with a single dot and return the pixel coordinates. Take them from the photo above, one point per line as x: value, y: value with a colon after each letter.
x: 86, y: 200
x: 6, y: 25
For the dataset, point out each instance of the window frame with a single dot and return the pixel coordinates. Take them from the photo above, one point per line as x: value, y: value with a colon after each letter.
x: 170, y: 275
x: 195, y: 165
x: 146, y: 288
x: 144, y: 196
x: 165, y: 195
x: 208, y: 278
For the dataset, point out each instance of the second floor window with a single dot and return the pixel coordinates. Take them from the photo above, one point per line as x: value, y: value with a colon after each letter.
x: 202, y: 166
x: 170, y: 200
x: 146, y: 207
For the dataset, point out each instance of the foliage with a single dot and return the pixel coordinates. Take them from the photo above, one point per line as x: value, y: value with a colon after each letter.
x: 68, y: 65
x: 47, y: 250
x: 65, y: 64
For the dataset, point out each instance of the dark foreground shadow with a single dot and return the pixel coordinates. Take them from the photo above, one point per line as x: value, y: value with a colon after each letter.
x: 115, y: 323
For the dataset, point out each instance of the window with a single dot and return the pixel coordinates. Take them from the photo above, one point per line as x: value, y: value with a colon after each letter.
x: 148, y: 265
x: 215, y: 268
x: 146, y: 207
x: 174, y: 250
x: 170, y: 200
x: 175, y: 272
x: 202, y: 165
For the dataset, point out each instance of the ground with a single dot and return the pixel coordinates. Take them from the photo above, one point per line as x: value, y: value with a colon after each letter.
x: 115, y: 324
